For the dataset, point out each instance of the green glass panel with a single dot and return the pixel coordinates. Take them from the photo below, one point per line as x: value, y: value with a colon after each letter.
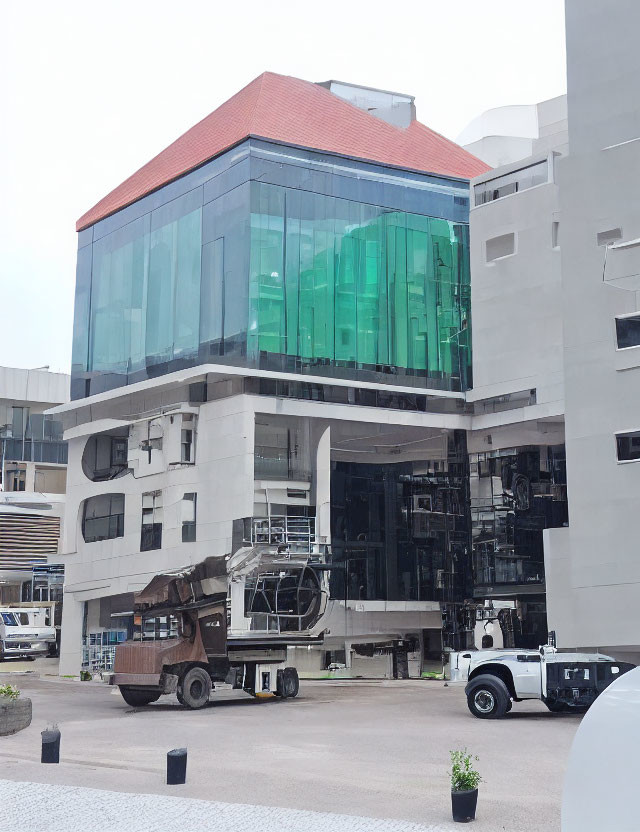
x: 337, y: 280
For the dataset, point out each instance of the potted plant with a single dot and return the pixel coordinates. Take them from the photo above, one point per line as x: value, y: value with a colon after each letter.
x: 464, y: 786
x: 15, y: 713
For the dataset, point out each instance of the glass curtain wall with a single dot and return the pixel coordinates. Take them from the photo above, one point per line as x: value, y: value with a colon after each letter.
x: 278, y: 278
x: 336, y: 281
x: 145, y: 291
x: 400, y: 532
x: 515, y: 494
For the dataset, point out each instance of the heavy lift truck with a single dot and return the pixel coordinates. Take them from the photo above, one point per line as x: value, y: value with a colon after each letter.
x: 227, y: 620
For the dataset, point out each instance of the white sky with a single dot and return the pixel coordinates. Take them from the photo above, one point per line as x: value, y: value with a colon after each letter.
x: 90, y: 91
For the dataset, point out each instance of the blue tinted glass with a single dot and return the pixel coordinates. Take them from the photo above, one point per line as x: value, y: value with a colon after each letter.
x: 309, y: 274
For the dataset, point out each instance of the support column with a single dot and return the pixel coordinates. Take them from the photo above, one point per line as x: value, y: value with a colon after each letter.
x: 323, y: 487
x: 71, y: 636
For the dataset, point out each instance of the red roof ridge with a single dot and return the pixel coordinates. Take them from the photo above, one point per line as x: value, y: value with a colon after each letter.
x: 291, y: 111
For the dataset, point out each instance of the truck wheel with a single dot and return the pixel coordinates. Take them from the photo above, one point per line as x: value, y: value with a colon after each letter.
x: 488, y: 697
x: 137, y: 698
x: 556, y: 707
x: 290, y: 683
x: 194, y: 688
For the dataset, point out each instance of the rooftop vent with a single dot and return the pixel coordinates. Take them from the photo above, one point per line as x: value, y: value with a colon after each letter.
x: 393, y: 107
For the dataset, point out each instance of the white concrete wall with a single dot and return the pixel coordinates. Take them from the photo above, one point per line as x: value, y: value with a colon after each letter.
x: 594, y: 590
x: 33, y: 386
x: 222, y: 478
x: 516, y: 300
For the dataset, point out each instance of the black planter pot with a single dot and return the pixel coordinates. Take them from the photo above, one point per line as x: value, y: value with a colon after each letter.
x: 463, y: 805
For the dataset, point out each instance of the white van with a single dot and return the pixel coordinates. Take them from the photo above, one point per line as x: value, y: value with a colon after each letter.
x: 24, y: 633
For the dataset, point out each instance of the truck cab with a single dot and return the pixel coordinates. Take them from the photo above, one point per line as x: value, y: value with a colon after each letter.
x: 568, y: 682
x: 24, y: 633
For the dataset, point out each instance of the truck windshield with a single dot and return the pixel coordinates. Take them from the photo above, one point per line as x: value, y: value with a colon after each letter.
x: 9, y: 619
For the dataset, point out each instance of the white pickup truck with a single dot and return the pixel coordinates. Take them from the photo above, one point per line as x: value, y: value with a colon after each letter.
x: 24, y: 633
x: 563, y: 681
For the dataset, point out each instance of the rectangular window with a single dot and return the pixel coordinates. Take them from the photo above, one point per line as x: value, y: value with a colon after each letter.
x: 628, y: 445
x: 501, y: 246
x: 628, y: 331
x: 187, y: 437
x: 20, y: 419
x: 272, y: 451
x: 119, y: 451
x: 151, y: 534
x: 606, y: 238
x: 511, y: 183
x: 103, y: 517
x: 555, y: 234
x: 186, y: 444
x: 189, y: 502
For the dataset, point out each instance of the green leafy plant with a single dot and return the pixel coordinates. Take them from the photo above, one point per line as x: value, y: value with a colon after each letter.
x: 463, y: 774
x: 9, y: 692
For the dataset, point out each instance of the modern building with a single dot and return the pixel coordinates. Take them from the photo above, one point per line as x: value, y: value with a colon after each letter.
x: 33, y: 459
x: 272, y: 344
x: 592, y: 566
x: 518, y: 485
x: 504, y: 135
x: 555, y: 262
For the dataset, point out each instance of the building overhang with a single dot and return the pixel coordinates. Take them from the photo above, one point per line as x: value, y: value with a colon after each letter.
x: 220, y: 372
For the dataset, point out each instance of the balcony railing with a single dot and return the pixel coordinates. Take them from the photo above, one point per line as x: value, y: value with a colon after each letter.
x: 276, y: 468
x: 34, y: 450
x: 298, y: 534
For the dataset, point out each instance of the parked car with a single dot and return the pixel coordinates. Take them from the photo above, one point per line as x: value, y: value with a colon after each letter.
x: 563, y: 681
x: 22, y: 635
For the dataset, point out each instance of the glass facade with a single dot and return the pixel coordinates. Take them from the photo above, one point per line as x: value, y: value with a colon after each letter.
x: 30, y: 437
x: 401, y: 532
x: 345, y: 283
x: 515, y: 494
x: 298, y: 264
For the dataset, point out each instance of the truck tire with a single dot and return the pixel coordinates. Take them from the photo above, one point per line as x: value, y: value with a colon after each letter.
x: 488, y: 697
x: 290, y: 683
x: 194, y: 688
x: 137, y: 698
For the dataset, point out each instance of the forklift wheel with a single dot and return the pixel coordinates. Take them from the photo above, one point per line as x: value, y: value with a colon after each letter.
x: 194, y: 688
x: 290, y: 683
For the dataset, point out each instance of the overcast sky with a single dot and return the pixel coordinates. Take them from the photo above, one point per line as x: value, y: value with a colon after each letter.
x: 90, y: 91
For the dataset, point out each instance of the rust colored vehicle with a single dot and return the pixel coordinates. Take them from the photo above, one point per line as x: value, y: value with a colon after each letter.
x: 225, y: 621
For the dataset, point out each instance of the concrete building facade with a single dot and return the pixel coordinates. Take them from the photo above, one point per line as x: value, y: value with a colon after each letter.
x: 592, y: 566
x: 272, y: 345
x: 554, y: 260
x: 33, y: 457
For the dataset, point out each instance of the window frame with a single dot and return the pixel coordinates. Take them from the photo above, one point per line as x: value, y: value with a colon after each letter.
x: 620, y: 434
x: 623, y: 317
x: 190, y: 526
x: 119, y: 523
x: 151, y: 533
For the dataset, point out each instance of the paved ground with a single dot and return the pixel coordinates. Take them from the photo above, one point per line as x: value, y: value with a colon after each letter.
x: 45, y: 666
x: 62, y: 808
x: 364, y: 749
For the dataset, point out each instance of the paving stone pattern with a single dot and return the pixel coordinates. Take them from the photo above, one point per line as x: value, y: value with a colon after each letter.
x: 39, y: 807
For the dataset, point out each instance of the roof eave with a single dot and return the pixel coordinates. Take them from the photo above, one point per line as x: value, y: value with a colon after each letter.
x: 82, y: 226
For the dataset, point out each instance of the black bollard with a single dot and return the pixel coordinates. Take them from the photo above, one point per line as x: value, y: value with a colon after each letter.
x: 50, y: 746
x: 176, y: 766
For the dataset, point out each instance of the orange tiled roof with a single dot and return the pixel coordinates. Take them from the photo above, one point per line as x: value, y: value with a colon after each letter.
x: 296, y: 112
